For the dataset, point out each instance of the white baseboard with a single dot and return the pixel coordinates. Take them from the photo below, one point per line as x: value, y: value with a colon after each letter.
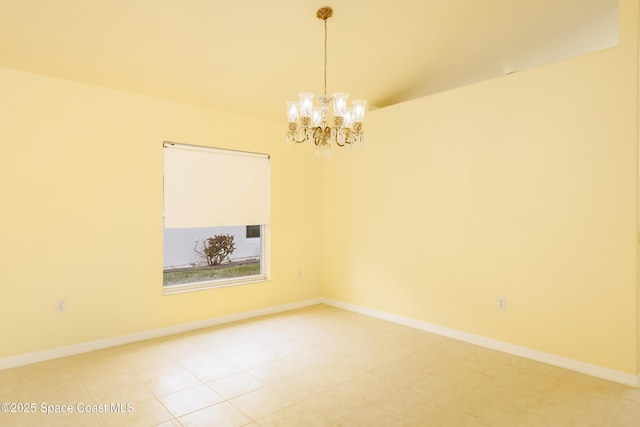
x: 40, y: 356
x: 539, y: 356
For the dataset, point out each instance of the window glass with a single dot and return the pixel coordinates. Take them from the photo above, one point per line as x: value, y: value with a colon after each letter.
x: 193, y: 255
x: 253, y: 231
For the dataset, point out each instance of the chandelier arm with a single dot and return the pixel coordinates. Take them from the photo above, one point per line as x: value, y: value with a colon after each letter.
x: 304, y: 138
x: 317, y: 135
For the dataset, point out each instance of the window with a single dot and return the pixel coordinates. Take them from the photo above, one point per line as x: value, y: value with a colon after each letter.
x: 210, y: 197
x: 253, y: 231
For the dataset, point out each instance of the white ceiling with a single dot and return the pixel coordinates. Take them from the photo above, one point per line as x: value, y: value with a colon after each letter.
x: 250, y: 56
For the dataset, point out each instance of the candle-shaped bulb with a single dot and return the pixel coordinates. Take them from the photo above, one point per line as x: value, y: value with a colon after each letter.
x: 292, y: 111
x: 359, y: 109
x: 306, y: 104
x: 339, y: 104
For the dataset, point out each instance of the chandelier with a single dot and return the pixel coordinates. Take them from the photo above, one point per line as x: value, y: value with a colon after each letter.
x: 309, y: 123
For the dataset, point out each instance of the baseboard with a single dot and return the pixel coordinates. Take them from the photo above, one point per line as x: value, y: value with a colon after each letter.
x: 41, y: 356
x: 539, y: 356
x: 551, y: 359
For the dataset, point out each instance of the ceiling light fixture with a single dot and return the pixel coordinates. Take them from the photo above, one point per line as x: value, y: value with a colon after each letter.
x: 309, y: 123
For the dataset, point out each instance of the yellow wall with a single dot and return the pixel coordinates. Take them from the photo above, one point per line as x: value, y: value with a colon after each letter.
x: 81, y: 218
x: 523, y: 187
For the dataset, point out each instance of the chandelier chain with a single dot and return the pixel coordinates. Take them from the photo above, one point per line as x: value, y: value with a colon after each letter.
x: 325, y: 57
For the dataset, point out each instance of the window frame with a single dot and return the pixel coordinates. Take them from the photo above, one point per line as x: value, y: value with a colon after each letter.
x: 265, y: 237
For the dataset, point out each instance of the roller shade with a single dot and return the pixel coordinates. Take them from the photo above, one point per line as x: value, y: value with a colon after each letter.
x: 207, y: 187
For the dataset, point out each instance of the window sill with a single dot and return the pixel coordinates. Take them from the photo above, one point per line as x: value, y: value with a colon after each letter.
x: 201, y: 286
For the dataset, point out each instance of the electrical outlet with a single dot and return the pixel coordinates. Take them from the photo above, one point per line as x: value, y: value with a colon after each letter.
x: 502, y: 303
x: 299, y: 274
x: 61, y: 305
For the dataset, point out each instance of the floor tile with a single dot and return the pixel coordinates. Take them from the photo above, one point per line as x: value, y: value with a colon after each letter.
x: 130, y: 393
x: 189, y: 400
x: 214, y: 370
x: 73, y: 419
x: 262, y: 402
x: 172, y: 382
x: 371, y: 417
x: 222, y: 415
x: 294, y: 416
x: 148, y: 413
x: 171, y: 423
x: 236, y: 384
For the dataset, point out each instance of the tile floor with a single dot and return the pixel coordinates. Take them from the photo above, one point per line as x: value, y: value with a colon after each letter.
x: 318, y: 366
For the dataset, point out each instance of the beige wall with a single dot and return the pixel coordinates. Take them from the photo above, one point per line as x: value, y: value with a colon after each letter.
x: 81, y: 173
x: 523, y: 187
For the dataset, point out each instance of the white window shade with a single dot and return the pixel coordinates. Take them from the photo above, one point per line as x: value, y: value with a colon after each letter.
x: 206, y: 187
